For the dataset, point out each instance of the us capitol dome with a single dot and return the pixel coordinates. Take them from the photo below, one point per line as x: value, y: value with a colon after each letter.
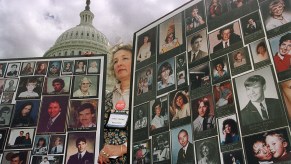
x: 80, y: 40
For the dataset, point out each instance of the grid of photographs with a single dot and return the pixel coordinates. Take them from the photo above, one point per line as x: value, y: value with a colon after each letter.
x: 51, y: 109
x: 220, y: 77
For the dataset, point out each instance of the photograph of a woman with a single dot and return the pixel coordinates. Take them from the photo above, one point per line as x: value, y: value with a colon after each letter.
x: 166, y: 74
x: 41, y: 146
x: 26, y: 113
x: 180, y: 106
x: 229, y: 130
x: 144, y: 51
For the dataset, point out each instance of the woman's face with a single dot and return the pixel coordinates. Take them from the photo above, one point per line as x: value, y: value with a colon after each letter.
x: 68, y: 65
x: 40, y: 142
x: 28, y: 65
x: 239, y: 56
x: 227, y: 129
x: 26, y: 110
x: 205, y: 151
x: 145, y: 39
x: 219, y: 67
x: 179, y: 101
x: 122, y: 65
x: 277, y: 10
x: 42, y: 66
x: 165, y: 74
x: 26, y: 136
x: 261, y: 151
x: 170, y: 38
x: 80, y: 65
x: 261, y: 50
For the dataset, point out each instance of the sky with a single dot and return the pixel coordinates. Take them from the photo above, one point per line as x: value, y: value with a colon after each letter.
x: 28, y: 28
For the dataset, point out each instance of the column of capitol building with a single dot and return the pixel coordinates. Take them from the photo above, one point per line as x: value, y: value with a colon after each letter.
x: 84, y: 39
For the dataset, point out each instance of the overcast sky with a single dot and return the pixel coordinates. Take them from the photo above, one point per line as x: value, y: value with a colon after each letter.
x: 28, y: 28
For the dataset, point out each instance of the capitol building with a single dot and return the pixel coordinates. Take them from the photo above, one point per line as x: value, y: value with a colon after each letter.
x: 81, y: 40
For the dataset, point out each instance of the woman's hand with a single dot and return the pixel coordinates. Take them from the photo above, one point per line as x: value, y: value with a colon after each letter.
x: 111, y: 150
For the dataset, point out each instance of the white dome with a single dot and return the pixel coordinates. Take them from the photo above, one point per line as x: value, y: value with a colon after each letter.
x: 80, y: 39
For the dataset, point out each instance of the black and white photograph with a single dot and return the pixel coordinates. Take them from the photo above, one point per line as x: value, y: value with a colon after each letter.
x: 182, y: 139
x: 161, y: 148
x: 277, y: 16
x: 195, y: 18
x: 141, y: 122
x: 85, y: 86
x: 10, y: 85
x: 6, y: 111
x: 181, y: 62
x: 258, y: 103
x: 29, y: 87
x: 13, y: 69
x: 7, y: 98
x: 207, y: 151
x: 3, y: 135
x: 197, y: 48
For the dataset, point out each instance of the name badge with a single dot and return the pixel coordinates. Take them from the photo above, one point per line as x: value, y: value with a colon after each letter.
x: 117, y: 120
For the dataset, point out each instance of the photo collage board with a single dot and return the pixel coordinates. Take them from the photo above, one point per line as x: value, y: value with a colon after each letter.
x: 211, y: 84
x: 50, y: 108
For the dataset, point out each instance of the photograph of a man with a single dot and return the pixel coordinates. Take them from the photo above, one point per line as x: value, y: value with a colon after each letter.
x: 205, y: 119
x: 227, y: 38
x: 259, y: 108
x: 85, y: 86
x: 60, y: 85
x: 53, y: 114
x: 10, y: 85
x: 19, y: 140
x: 14, y: 157
x: 186, y: 152
x: 283, y: 56
x: 86, y: 116
x: 5, y: 114
x: 197, y: 43
x: 13, y: 69
x: 82, y: 156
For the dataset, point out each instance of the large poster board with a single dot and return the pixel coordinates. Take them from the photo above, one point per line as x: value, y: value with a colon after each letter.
x: 52, y: 107
x: 212, y: 81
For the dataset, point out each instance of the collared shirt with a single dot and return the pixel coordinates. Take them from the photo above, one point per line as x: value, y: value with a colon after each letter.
x: 223, y: 43
x: 53, y: 119
x: 258, y: 106
x: 194, y: 55
x: 185, y: 148
x: 89, y: 126
x: 118, y: 95
x: 82, y: 154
